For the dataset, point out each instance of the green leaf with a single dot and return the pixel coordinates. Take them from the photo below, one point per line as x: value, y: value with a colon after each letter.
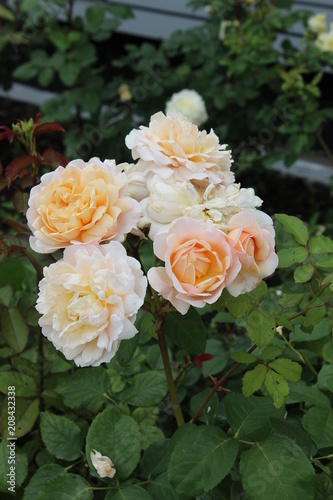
x: 201, y: 460
x: 21, y: 466
x: 149, y: 389
x: 237, y: 306
x: 126, y: 350
x: 69, y: 73
x: 318, y: 422
x: 85, y: 388
x: 208, y: 414
x: 294, y: 226
x: 289, y: 369
x: 303, y: 273
x: 95, y: 15
x: 26, y: 413
x: 325, y: 262
x: 146, y: 420
x: 246, y: 415
x: 161, y: 488
x: 291, y: 256
x: 324, y: 487
x: 271, y: 351
x: 327, y: 352
x: 45, y: 77
x: 260, y: 326
x: 116, y: 436
x: 259, y: 293
x: 129, y: 493
x: 277, y: 388
x: 187, y: 332
x: 145, y: 323
x: 156, y: 458
x: 253, y: 380
x: 291, y: 300
x: 320, y: 331
x: 243, y: 357
x: 325, y: 378
x: 6, y: 14
x: 25, y: 386
x: 293, y: 430
x: 314, y: 316
x: 61, y: 436
x: 216, y: 348
x: 66, y: 486
x: 267, y: 468
x: 6, y: 295
x: 14, y: 329
x: 321, y: 244
x: 25, y: 71
x: 40, y: 478
x: 301, y: 392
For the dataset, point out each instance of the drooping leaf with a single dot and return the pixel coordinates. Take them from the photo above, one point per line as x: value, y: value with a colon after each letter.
x: 294, y: 226
x: 61, y: 436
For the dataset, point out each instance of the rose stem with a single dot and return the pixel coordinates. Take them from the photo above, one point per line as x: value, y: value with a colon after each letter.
x: 167, y: 368
x: 217, y: 385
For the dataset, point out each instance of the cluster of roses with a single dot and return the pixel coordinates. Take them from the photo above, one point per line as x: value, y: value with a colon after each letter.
x: 317, y: 24
x: 205, y: 228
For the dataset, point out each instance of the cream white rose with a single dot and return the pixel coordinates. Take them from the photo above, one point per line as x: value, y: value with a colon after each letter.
x: 136, y: 181
x: 89, y: 300
x: 81, y: 203
x: 173, y: 146
x: 170, y: 199
x: 317, y: 23
x: 325, y: 41
x: 190, y: 104
x: 102, y: 464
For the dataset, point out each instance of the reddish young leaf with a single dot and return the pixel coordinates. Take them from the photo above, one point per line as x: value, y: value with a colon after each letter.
x: 7, y: 134
x: 15, y: 168
x: 20, y: 201
x: 45, y: 128
x: 198, y: 360
x: 54, y: 159
x: 38, y: 118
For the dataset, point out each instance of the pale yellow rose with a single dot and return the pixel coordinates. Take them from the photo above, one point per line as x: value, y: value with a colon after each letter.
x: 325, y: 41
x: 190, y: 104
x: 317, y: 24
x: 89, y: 300
x: 173, y: 146
x: 81, y: 203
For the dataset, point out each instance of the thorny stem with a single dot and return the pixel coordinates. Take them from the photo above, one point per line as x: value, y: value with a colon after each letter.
x: 217, y: 385
x: 167, y: 368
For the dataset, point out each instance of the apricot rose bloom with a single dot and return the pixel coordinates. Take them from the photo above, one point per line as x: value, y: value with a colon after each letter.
x: 81, y: 203
x: 173, y: 146
x: 199, y: 263
x: 89, y: 300
x: 254, y: 238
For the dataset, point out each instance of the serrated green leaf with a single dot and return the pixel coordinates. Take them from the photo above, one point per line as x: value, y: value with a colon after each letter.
x: 25, y: 71
x: 149, y: 389
x: 289, y: 369
x: 253, y: 380
x: 6, y: 295
x: 156, y: 458
x: 327, y: 352
x: 85, y: 388
x: 325, y: 262
x: 289, y: 257
x: 237, y: 306
x: 303, y: 273
x: 161, y: 488
x: 69, y: 486
x: 40, y: 478
x: 116, y: 436
x: 314, y: 316
x: 277, y: 388
x: 129, y: 493
x: 325, y: 378
x: 26, y: 413
x: 126, y: 350
x: 294, y: 226
x: 293, y: 430
x: 318, y: 422
x: 219, y: 352
x: 200, y: 460
x: 61, y: 436
x: 14, y: 329
x: 321, y: 244
x: 187, y: 332
x: 324, y: 487
x: 271, y: 351
x: 309, y: 394
x: 267, y: 467
x: 260, y: 326
x: 243, y: 357
x: 291, y: 300
x: 25, y: 386
x: 260, y: 292
x: 21, y: 467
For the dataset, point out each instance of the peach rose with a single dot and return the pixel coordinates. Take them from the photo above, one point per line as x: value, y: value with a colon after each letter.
x: 172, y: 145
x: 199, y: 263
x: 254, y: 239
x: 89, y: 300
x: 82, y: 203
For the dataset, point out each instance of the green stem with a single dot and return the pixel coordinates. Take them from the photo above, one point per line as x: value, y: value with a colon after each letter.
x: 309, y: 365
x: 167, y: 368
